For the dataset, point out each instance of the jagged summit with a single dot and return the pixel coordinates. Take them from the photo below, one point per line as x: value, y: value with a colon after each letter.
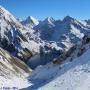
x: 68, y: 19
x: 30, y: 22
x: 31, y: 19
x: 49, y: 20
x: 35, y: 21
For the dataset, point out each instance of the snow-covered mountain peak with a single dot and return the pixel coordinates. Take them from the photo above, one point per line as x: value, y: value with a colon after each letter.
x: 68, y: 19
x: 49, y: 20
x: 30, y: 22
x: 34, y: 20
x: 31, y: 19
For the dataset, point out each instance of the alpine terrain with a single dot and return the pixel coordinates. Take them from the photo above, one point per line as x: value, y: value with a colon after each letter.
x: 44, y: 54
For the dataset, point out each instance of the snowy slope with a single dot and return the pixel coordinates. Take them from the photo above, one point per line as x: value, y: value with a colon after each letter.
x: 13, y: 72
x: 73, y: 75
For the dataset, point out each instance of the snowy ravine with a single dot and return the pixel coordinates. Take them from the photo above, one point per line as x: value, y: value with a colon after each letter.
x: 73, y: 75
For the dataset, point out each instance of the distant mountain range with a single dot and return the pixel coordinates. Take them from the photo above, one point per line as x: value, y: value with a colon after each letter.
x: 26, y: 38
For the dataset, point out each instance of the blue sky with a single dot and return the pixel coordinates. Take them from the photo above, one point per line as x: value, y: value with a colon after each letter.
x: 41, y: 9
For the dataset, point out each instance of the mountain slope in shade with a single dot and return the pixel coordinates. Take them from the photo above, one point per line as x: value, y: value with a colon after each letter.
x: 13, y: 72
x: 64, y: 32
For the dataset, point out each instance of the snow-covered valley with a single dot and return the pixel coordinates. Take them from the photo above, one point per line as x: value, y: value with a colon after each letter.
x: 73, y: 75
